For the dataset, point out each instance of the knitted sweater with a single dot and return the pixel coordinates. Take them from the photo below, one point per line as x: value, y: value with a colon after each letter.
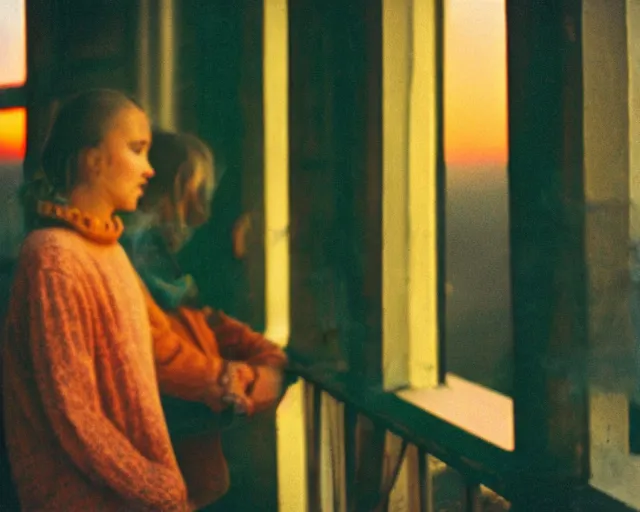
x: 84, y: 425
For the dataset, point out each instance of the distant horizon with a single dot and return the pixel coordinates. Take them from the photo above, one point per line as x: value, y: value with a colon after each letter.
x: 476, y: 175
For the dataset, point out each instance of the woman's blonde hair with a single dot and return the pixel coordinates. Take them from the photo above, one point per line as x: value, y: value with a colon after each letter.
x: 180, y: 193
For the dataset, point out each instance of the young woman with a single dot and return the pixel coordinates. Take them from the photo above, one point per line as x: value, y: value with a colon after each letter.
x: 247, y: 367
x: 85, y: 428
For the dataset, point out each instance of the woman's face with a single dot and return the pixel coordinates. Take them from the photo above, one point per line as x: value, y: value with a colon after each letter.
x: 122, y: 168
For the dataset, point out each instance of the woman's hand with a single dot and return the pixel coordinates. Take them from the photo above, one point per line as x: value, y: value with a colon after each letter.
x: 237, y: 381
x: 267, y: 389
x: 251, y: 389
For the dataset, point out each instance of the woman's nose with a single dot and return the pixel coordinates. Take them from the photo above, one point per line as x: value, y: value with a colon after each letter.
x: 149, y: 173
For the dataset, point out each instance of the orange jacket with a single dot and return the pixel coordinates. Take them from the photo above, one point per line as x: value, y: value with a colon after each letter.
x: 190, y: 348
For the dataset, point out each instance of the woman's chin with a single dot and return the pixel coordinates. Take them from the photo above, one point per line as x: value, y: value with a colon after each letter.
x: 129, y: 206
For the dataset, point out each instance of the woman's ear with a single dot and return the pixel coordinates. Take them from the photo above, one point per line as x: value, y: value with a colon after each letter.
x: 90, y: 161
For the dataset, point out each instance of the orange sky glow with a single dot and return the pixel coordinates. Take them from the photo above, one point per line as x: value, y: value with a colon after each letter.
x: 13, y: 127
x: 13, y: 73
x: 475, y: 88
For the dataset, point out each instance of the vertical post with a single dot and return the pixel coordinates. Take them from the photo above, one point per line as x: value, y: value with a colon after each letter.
x: 317, y: 307
x: 166, y: 107
x: 313, y: 423
x: 41, y: 66
x: 276, y: 169
x: 351, y: 455
x: 441, y: 194
x: 336, y: 203
x: 335, y: 415
x: 370, y: 463
x: 143, y: 50
x: 253, y: 90
x: 358, y: 143
x: 424, y: 330
x: 336, y: 180
x: 409, y: 216
x: 425, y: 483
x: 474, y: 498
x: 292, y: 462
x: 608, y: 150
x: 368, y: 200
x: 291, y: 450
x: 633, y: 38
x: 633, y: 58
x: 396, y: 83
x: 547, y: 239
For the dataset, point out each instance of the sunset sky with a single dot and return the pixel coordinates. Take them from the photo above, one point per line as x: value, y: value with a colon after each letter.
x: 475, y: 82
x: 12, y: 42
x: 13, y: 124
x: 12, y: 73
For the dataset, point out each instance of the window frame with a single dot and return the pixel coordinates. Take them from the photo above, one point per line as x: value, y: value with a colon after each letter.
x: 414, y: 345
x: 546, y: 171
x: 568, y: 446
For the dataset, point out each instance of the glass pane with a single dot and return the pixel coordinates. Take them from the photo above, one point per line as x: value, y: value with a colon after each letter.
x: 13, y: 57
x: 12, y: 149
x: 478, y: 330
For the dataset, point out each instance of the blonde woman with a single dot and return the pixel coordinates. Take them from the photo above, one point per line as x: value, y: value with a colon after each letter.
x: 240, y: 370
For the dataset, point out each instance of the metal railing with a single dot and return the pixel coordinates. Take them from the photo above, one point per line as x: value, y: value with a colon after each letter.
x: 368, y: 450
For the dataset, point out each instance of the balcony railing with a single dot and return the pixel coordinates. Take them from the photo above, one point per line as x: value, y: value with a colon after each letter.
x: 368, y: 450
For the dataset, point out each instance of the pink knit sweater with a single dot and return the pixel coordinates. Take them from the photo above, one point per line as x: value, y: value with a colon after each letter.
x: 84, y: 425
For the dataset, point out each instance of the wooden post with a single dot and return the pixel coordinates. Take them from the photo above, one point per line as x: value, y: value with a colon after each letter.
x: 336, y: 201
x: 547, y: 239
x: 610, y: 183
x: 317, y: 304
x: 41, y: 59
x: 252, y: 108
x: 366, y: 165
x: 336, y: 183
